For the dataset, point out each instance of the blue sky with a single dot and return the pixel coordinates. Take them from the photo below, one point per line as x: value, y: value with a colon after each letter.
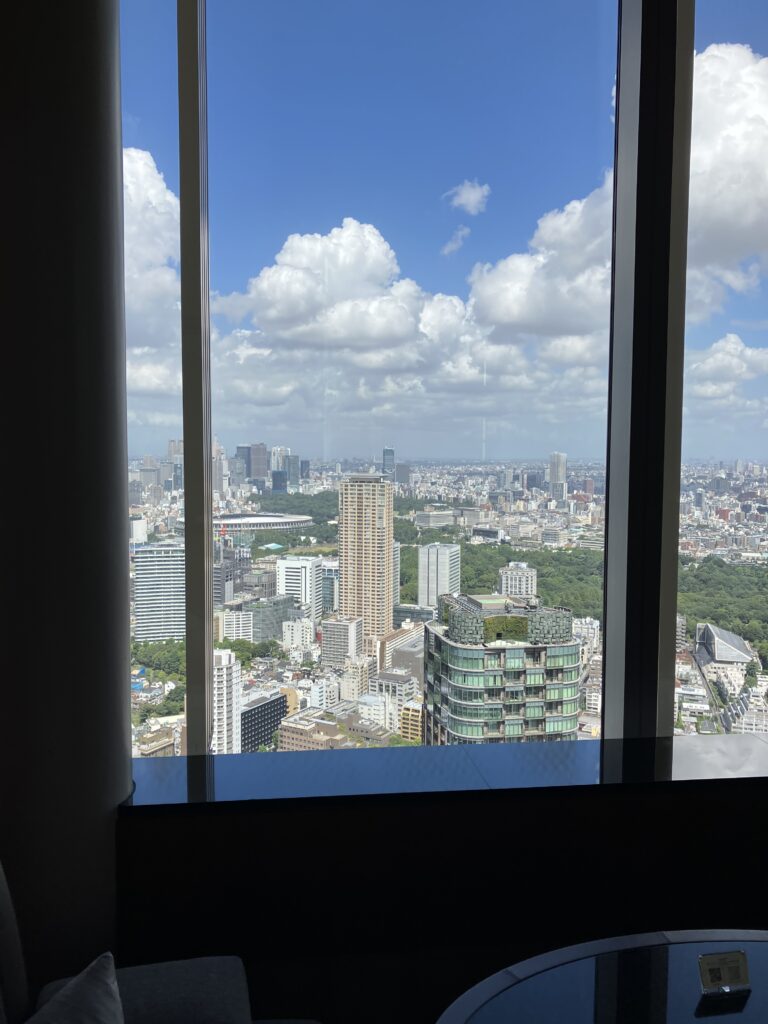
x: 374, y: 112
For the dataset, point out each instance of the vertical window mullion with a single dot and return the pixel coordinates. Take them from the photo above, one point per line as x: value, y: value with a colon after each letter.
x: 196, y: 370
x: 653, y: 128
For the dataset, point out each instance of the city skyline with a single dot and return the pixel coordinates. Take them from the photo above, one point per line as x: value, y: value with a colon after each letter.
x: 351, y: 304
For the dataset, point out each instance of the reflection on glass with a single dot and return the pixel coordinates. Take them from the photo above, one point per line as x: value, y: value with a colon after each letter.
x: 722, y: 623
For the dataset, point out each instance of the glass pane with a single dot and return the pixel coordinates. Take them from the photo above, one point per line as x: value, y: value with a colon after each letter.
x: 722, y: 639
x: 410, y: 225
x: 155, y: 445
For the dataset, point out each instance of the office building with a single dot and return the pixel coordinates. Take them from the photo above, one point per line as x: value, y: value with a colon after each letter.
x: 388, y: 463
x: 269, y: 614
x: 342, y: 639
x: 237, y: 473
x: 243, y: 451
x: 227, y: 703
x: 399, y: 686
x: 259, y: 464
x: 412, y: 721
x: 304, y: 469
x: 416, y: 612
x: 402, y: 473
x: 330, y: 585
x: 534, y: 480
x: 278, y: 459
x: 439, y: 572
x: 293, y: 468
x: 302, y: 578
x: 279, y: 481
x: 233, y: 625
x: 260, y: 718
x: 159, y: 589
x: 433, y: 519
x: 558, y: 468
x: 384, y: 647
x: 366, y: 553
x: 500, y: 670
x: 518, y: 579
x: 224, y: 572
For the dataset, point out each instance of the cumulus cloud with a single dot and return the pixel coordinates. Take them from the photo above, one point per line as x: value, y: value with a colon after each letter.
x: 329, y: 339
x: 469, y: 196
x: 718, y: 371
x: 456, y: 241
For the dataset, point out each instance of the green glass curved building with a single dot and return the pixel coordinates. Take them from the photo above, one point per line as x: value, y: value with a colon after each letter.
x: 500, y: 671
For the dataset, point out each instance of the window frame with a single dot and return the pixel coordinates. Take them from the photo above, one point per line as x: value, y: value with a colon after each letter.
x: 649, y: 240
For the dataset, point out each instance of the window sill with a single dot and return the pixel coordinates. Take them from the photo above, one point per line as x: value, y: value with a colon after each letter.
x: 464, y: 768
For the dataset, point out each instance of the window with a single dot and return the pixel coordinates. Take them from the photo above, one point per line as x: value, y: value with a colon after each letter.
x: 396, y: 368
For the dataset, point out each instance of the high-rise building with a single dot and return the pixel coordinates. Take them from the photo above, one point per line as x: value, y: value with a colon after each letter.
x: 243, y: 451
x: 519, y: 675
x: 439, y: 572
x: 534, y: 480
x: 279, y: 481
x: 518, y: 579
x: 342, y: 639
x: 558, y: 468
x: 293, y: 468
x: 388, y: 463
x: 159, y: 592
x: 135, y: 492
x: 279, y: 457
x: 301, y: 576
x: 224, y: 572
x: 237, y: 472
x: 304, y: 469
x: 227, y: 703
x: 395, y: 573
x: 330, y: 585
x: 365, y: 554
x: 402, y: 473
x: 259, y: 464
x: 269, y: 614
x: 260, y: 719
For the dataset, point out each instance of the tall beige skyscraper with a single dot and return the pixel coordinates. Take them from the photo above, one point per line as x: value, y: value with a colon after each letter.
x: 366, y: 554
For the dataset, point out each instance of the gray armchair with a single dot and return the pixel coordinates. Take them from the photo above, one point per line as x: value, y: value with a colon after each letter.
x: 207, y: 990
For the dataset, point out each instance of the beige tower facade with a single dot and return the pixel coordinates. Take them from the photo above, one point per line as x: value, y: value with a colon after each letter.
x: 366, y: 554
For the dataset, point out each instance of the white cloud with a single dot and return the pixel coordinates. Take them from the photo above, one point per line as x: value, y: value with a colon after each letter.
x: 469, y: 196
x: 726, y: 362
x: 328, y: 339
x: 456, y: 241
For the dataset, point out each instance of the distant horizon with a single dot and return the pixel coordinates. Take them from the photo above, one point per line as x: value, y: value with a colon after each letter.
x: 447, y: 461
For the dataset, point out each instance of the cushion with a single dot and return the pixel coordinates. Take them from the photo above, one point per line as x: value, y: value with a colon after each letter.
x: 90, y: 998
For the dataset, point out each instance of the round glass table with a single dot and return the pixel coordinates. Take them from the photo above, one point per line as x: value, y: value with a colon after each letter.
x: 636, y: 979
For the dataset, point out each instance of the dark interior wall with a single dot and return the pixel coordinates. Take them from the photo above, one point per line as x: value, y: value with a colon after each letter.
x: 387, y: 908
x: 65, y: 748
